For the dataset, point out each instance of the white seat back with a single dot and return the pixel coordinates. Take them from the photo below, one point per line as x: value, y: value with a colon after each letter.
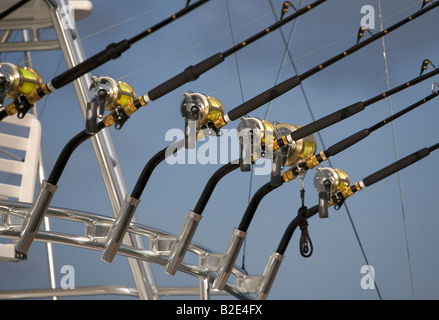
x: 26, y: 167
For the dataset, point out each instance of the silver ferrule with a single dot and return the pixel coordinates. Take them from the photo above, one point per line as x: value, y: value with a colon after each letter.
x: 182, y: 242
x: 119, y: 228
x: 267, y: 279
x: 33, y: 219
x: 227, y: 261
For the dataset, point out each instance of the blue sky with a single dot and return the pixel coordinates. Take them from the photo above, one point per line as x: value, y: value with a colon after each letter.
x: 395, y: 222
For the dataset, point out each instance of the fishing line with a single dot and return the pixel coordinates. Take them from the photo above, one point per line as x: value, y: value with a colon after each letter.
x: 353, y: 36
x: 277, y: 256
x: 344, y: 93
x: 126, y: 20
x: 56, y: 71
x: 269, y: 105
x: 396, y: 153
x: 37, y: 57
x: 320, y: 138
x: 323, y: 145
x: 219, y: 36
x: 242, y: 99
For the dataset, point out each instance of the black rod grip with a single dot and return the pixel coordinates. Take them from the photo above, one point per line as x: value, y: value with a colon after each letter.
x: 395, y: 167
x: 191, y: 73
x: 253, y: 205
x: 263, y: 98
x: 346, y: 143
x: 327, y: 121
x: 211, y: 184
x: 112, y: 51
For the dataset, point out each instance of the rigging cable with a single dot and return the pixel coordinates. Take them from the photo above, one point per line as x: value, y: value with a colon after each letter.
x: 287, y: 45
x: 329, y: 161
x: 321, y: 140
x: 396, y: 152
x: 242, y: 98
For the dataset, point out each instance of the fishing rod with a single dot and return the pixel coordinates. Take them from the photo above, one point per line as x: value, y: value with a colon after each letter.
x: 277, y: 256
x: 337, y: 178
x: 119, y: 95
x: 25, y: 99
x: 181, y: 243
x: 293, y: 82
x: 349, y: 111
x: 326, y: 184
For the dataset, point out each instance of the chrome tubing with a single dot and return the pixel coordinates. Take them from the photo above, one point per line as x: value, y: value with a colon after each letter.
x: 227, y: 261
x: 267, y: 279
x: 182, y: 242
x: 119, y: 228
x: 33, y: 219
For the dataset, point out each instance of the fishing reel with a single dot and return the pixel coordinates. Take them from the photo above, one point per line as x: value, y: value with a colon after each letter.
x: 256, y: 139
x: 200, y: 112
x: 330, y: 182
x: 109, y: 95
x: 290, y: 155
x: 19, y: 84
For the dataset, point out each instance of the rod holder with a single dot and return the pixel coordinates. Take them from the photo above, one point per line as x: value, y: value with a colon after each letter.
x: 119, y: 228
x: 267, y: 279
x: 33, y: 219
x: 182, y: 242
x: 190, y: 134
x: 324, y: 198
x: 227, y: 261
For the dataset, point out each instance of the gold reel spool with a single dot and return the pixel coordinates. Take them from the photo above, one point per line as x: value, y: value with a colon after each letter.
x: 301, y: 150
x: 201, y: 108
x: 263, y: 134
x: 118, y: 93
x: 338, y: 178
x: 256, y: 138
x: 200, y: 112
x: 328, y: 182
x: 20, y: 80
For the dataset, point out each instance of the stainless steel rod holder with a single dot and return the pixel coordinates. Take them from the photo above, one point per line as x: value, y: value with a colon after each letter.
x: 119, y: 228
x: 182, y: 242
x: 227, y: 261
x: 267, y: 279
x: 33, y: 219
